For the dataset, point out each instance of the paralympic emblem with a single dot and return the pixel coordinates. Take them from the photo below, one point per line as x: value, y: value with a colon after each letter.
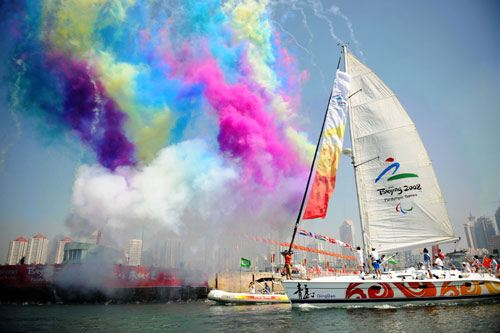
x: 400, y: 209
x: 394, y: 166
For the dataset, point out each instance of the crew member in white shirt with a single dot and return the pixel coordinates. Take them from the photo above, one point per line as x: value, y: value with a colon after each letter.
x: 376, y: 263
x: 361, y: 260
x: 494, y: 265
x: 374, y: 255
x: 438, y: 262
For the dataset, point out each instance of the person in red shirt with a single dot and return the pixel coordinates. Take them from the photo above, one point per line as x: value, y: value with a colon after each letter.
x: 288, y: 264
x: 441, y: 255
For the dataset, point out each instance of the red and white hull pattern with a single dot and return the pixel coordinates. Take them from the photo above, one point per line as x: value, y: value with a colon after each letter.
x: 392, y: 288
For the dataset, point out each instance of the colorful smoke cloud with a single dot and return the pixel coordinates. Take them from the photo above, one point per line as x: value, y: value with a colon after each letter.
x: 199, y: 95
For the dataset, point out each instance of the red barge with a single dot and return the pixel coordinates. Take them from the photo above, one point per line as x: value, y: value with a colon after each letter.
x: 85, y: 283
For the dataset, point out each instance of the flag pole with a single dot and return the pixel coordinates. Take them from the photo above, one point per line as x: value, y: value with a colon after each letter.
x: 310, y: 174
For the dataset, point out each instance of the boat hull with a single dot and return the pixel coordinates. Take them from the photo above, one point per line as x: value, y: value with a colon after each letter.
x: 347, y: 291
x: 246, y: 298
x: 82, y: 283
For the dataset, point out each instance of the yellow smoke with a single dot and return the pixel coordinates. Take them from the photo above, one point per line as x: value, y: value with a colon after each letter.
x: 247, y: 18
x: 118, y: 79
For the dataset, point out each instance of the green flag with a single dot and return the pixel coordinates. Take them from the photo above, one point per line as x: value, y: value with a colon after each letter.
x: 392, y: 261
x: 245, y: 263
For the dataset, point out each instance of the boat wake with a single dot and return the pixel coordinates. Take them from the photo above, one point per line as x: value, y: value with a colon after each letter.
x: 308, y: 307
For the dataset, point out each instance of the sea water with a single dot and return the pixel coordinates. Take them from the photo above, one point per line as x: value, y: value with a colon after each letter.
x: 207, y: 316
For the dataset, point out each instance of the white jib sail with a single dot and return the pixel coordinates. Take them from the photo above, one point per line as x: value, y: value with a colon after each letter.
x: 400, y: 200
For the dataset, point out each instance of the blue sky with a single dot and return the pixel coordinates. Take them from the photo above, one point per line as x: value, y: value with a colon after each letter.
x: 440, y: 58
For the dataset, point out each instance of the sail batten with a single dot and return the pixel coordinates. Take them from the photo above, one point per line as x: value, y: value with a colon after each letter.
x: 401, y: 204
x: 387, y: 130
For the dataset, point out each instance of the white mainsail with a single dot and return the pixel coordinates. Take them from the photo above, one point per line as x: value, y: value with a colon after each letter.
x: 401, y: 204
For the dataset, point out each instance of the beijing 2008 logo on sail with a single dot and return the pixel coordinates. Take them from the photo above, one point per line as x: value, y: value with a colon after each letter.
x: 398, y: 193
x: 339, y: 97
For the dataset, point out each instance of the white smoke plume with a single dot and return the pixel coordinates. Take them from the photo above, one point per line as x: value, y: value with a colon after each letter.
x: 176, y: 196
x: 157, y: 194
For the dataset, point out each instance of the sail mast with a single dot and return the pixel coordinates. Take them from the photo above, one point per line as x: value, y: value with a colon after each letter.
x: 353, y: 154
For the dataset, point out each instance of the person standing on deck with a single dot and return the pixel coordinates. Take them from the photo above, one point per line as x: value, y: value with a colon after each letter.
x: 476, y: 265
x: 288, y: 264
x: 376, y: 263
x: 361, y: 260
x: 427, y: 261
x: 252, y: 287
x: 374, y: 255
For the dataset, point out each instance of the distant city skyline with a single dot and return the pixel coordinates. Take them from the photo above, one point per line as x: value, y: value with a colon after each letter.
x: 172, y: 255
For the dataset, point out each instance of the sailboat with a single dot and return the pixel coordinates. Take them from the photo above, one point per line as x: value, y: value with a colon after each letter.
x: 400, y: 204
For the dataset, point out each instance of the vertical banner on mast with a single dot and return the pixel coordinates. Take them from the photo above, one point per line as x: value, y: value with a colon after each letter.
x: 331, y: 147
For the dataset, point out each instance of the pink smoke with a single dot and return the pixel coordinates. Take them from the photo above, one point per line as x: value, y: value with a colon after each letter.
x: 287, y: 67
x: 247, y: 132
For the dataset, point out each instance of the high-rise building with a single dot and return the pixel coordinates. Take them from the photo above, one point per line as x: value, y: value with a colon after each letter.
x: 494, y: 245
x: 346, y: 232
x: 37, y: 250
x: 478, y: 231
x: 134, y: 252
x: 17, y: 251
x: 497, y: 218
x: 469, y: 234
x: 95, y: 238
x: 172, y: 254
x: 60, y: 249
x: 484, y: 230
x: 469, y: 231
